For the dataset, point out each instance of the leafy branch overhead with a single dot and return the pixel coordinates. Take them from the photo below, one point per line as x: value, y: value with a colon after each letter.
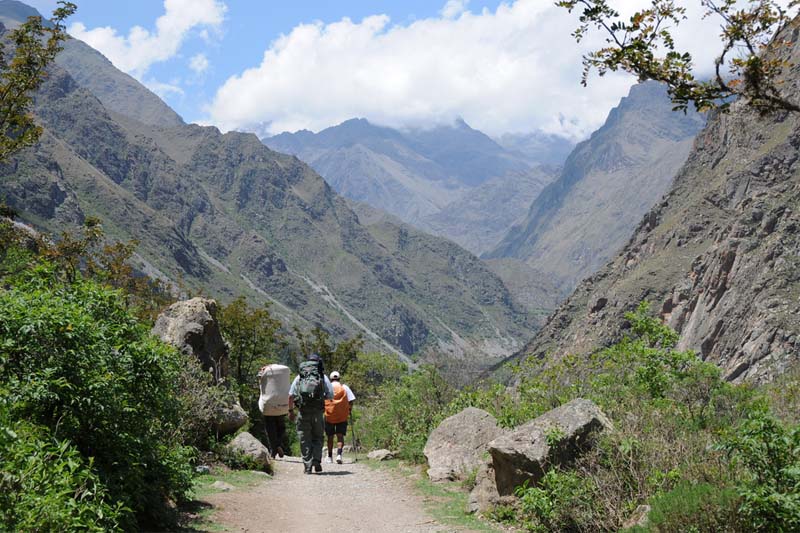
x: 35, y: 44
x: 643, y: 45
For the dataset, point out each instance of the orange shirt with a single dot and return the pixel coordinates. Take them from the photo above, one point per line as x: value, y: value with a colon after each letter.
x: 338, y: 409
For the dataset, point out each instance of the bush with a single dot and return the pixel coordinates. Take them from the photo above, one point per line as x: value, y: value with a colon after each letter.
x: 406, y: 412
x: 564, y: 501
x: 694, y: 508
x: 77, y: 364
x: 769, y: 453
x: 47, y: 485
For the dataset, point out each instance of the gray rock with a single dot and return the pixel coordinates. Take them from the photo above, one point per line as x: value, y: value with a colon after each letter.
x: 222, y: 486
x: 484, y: 495
x: 192, y: 327
x: 455, y: 448
x: 525, y: 454
x: 638, y: 518
x: 380, y: 455
x: 247, y: 444
x: 228, y: 419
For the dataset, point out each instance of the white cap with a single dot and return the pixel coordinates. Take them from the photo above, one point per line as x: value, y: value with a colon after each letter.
x: 334, y: 375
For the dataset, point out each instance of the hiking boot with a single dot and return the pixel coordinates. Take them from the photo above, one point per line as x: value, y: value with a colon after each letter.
x: 329, y: 460
x: 279, y: 451
x: 317, y: 468
x: 306, y: 469
x: 338, y: 458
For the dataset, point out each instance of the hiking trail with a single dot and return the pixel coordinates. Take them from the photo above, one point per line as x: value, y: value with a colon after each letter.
x: 348, y: 497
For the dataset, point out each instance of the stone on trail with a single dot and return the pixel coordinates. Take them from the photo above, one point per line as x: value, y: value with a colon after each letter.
x: 456, y: 447
x: 556, y: 438
x: 192, y: 327
x: 222, y: 486
x: 247, y: 444
x: 380, y: 455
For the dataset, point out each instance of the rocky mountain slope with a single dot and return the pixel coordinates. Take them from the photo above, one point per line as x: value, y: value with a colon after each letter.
x: 453, y: 181
x: 718, y: 257
x: 608, y: 182
x: 225, y: 215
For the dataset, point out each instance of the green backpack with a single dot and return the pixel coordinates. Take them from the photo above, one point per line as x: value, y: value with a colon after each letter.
x: 310, y: 390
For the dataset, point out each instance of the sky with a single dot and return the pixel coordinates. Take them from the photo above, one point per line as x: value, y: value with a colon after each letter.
x: 283, y: 65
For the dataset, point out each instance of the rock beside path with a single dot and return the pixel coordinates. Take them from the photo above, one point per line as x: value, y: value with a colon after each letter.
x: 192, y: 327
x: 556, y: 438
x: 456, y: 447
x: 248, y: 445
x: 381, y: 455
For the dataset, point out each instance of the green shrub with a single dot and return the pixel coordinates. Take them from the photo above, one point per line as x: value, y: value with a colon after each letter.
x: 694, y: 508
x: 47, y: 485
x: 769, y: 453
x: 74, y: 361
x: 563, y: 501
x: 406, y: 412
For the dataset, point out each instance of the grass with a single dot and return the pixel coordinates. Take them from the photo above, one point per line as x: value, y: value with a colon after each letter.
x: 445, y: 502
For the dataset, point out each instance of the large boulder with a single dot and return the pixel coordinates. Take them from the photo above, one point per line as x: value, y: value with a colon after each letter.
x: 192, y: 327
x: 556, y: 438
x: 229, y: 418
x: 456, y: 447
x: 248, y: 445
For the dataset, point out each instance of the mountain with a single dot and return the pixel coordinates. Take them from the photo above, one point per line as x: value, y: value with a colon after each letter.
x: 537, y: 147
x: 718, y: 257
x: 225, y: 215
x: 452, y: 181
x: 608, y: 182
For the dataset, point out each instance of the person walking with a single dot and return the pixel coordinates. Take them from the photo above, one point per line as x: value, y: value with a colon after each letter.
x: 337, y: 412
x: 274, y: 404
x: 308, y: 393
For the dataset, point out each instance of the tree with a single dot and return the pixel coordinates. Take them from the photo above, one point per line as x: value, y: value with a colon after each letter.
x: 334, y: 357
x: 255, y: 339
x: 644, y: 46
x: 35, y: 45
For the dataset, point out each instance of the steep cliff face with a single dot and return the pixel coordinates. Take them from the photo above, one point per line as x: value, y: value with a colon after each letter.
x: 227, y: 216
x: 585, y: 216
x: 718, y: 257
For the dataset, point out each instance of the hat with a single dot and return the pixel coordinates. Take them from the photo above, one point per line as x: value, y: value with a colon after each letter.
x: 314, y: 357
x: 334, y: 375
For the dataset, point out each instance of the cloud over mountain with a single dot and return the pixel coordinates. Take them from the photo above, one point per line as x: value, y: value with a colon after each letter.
x: 512, y: 69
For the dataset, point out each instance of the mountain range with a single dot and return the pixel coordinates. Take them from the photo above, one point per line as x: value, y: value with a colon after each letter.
x: 224, y: 215
x: 450, y: 180
x: 607, y: 184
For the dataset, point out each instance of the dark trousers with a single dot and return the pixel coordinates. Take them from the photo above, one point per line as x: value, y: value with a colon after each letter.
x: 311, y: 432
x: 275, y: 427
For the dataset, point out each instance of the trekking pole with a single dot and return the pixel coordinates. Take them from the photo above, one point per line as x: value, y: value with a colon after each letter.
x: 355, y: 448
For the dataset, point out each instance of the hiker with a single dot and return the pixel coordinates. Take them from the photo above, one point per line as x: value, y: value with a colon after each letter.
x: 308, y: 393
x: 274, y: 404
x: 337, y: 411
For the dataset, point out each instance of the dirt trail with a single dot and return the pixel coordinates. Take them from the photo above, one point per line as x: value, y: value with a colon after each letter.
x: 348, y: 497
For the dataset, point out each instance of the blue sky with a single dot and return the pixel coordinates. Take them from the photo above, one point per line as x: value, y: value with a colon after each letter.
x: 270, y: 65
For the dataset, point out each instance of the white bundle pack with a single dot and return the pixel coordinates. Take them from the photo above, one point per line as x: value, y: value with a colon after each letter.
x: 274, y: 384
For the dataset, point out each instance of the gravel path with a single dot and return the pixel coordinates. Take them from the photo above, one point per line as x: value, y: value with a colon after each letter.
x: 343, y: 498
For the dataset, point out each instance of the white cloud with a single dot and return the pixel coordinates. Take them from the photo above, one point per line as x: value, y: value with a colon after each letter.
x: 454, y: 8
x: 141, y: 48
x: 513, y: 69
x: 199, y: 63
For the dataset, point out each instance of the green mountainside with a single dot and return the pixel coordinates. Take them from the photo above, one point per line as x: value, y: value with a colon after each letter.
x: 608, y: 182
x: 225, y: 215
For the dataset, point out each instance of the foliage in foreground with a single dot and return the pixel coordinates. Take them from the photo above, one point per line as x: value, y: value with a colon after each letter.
x: 706, y: 454
x: 74, y: 362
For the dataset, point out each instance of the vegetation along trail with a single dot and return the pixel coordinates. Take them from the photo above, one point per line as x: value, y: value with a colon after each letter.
x: 348, y: 497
